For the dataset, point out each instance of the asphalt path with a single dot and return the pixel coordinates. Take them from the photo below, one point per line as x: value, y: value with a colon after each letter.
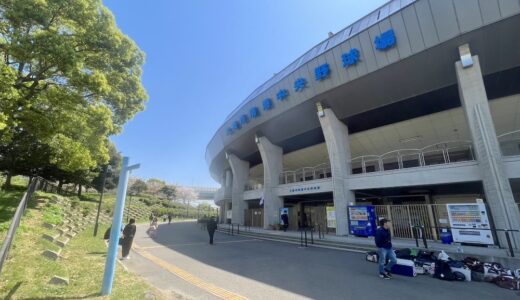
x: 179, y: 260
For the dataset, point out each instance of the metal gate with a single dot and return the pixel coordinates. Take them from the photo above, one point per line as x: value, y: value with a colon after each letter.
x: 404, y: 217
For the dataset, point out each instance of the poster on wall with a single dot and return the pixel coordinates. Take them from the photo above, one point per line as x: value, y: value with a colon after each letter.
x: 331, y: 217
x: 470, y: 223
x: 362, y: 220
x: 229, y: 213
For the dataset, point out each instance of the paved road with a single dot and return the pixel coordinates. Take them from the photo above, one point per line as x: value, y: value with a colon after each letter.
x: 180, y: 259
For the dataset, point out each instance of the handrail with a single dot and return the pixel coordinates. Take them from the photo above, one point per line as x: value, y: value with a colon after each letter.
x: 6, y: 245
x: 507, y: 133
x: 465, y: 142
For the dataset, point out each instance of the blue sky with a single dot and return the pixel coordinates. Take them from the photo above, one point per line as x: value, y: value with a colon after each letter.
x: 203, y: 58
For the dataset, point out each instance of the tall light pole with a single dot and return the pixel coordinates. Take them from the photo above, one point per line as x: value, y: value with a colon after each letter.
x: 110, y: 265
x: 105, y: 171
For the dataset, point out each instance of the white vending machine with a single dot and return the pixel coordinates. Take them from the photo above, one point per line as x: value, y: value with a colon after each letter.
x: 470, y: 223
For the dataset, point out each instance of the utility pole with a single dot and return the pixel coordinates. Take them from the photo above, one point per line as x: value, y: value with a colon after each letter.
x: 110, y: 265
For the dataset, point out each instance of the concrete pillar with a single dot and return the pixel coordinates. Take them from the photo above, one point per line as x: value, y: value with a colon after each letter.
x: 476, y: 107
x: 338, y: 147
x: 272, y: 159
x: 240, y: 169
x: 228, y: 183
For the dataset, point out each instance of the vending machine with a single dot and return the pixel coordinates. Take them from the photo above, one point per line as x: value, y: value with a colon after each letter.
x: 470, y: 223
x: 362, y: 220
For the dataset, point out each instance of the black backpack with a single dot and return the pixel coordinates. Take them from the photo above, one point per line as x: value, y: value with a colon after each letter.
x: 443, y: 271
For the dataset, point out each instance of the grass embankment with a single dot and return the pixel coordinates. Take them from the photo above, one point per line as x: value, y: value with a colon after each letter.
x: 27, y: 273
x: 9, y: 200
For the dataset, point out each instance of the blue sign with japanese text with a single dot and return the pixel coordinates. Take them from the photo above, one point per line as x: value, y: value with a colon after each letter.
x: 244, y: 119
x: 300, y: 84
x: 385, y: 41
x: 350, y: 58
x: 282, y: 94
x: 322, y: 72
x: 267, y: 104
x: 254, y: 112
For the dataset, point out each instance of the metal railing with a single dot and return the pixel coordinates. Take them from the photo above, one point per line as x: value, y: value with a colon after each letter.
x: 510, y: 143
x: 252, y: 187
x: 436, y: 154
x: 6, y: 246
x: 320, y: 171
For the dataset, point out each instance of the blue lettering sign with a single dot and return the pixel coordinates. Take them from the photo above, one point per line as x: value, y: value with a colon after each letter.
x: 236, y: 126
x: 350, y: 58
x: 229, y: 131
x: 300, y: 84
x: 267, y: 104
x: 385, y: 41
x: 282, y: 94
x: 244, y: 119
x: 322, y: 72
x: 254, y: 112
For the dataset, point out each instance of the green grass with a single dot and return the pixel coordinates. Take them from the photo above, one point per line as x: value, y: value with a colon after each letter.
x: 52, y: 214
x: 27, y: 272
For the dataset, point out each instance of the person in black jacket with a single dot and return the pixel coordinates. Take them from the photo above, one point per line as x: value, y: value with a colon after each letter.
x: 211, y: 226
x: 385, y: 251
x: 128, y: 238
x: 285, y: 220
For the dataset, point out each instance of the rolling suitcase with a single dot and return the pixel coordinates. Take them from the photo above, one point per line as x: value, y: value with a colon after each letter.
x: 404, y: 267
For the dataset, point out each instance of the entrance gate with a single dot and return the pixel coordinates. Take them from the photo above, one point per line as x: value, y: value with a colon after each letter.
x: 254, y: 217
x: 432, y: 216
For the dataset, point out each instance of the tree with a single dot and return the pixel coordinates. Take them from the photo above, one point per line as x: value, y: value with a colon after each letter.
x: 187, y: 195
x: 169, y: 191
x: 154, y: 186
x: 138, y: 186
x: 69, y: 78
x: 114, y: 167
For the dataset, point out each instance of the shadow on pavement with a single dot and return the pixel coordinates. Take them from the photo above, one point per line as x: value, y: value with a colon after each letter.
x: 311, y: 272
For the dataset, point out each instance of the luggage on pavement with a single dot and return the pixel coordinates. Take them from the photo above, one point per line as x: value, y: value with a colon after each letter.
x: 372, y: 256
x: 404, y: 267
x: 507, y: 282
x: 443, y: 271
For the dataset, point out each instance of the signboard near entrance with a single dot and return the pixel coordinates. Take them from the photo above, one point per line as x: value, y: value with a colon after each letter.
x: 470, y: 223
x: 331, y: 217
x: 362, y: 220
x: 229, y: 214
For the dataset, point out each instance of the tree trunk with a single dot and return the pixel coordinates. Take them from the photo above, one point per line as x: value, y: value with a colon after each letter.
x: 79, y: 190
x: 60, y: 185
x: 8, y: 178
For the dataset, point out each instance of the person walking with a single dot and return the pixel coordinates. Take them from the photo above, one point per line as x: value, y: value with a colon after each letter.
x: 169, y: 218
x: 285, y: 220
x: 384, y: 244
x: 128, y: 238
x: 211, y: 226
x: 152, y: 216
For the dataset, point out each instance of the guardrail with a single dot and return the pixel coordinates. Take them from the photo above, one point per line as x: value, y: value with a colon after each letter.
x: 510, y: 143
x: 6, y: 246
x: 440, y: 153
x: 420, y: 231
x: 320, y: 171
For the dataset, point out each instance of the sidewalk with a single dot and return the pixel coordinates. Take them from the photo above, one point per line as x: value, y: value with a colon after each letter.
x: 494, y: 254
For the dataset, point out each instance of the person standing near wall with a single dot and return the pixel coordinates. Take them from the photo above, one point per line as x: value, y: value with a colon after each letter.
x: 128, y: 238
x: 384, y: 244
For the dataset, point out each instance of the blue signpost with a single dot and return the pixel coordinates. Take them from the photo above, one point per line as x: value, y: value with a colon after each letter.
x: 108, y: 277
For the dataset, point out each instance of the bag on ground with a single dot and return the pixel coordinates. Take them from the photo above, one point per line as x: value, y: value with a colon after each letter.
x: 443, y: 271
x: 507, y: 282
x: 404, y: 267
x: 372, y: 256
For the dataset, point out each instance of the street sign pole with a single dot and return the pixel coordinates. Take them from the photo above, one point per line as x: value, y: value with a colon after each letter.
x: 110, y: 265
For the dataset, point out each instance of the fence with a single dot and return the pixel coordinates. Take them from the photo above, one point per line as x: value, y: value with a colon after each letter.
x: 306, y: 174
x: 6, y: 246
x: 405, y: 217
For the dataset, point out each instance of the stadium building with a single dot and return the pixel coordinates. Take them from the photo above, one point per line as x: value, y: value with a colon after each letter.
x: 412, y: 107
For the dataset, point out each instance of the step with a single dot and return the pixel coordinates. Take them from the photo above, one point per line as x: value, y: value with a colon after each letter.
x: 71, y: 234
x: 63, y: 230
x: 52, y: 254
x: 50, y: 238
x: 48, y: 225
x: 62, y: 243
x: 57, y: 280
